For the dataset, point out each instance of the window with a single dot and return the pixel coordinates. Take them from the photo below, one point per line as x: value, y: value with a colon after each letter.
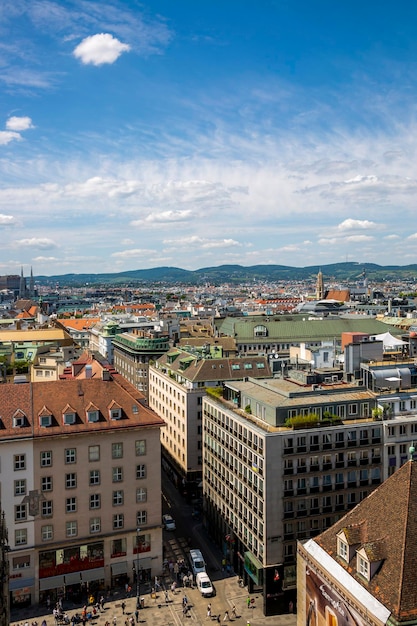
x: 141, y: 518
x: 342, y: 549
x: 115, y: 414
x: 93, y: 453
x: 71, y: 529
x: 118, y: 497
x: 118, y: 521
x: 20, y: 512
x: 141, y: 471
x: 140, y: 447
x: 363, y: 567
x: 141, y: 494
x: 116, y: 450
x: 117, y: 473
x: 46, y: 483
x: 19, y: 462
x: 95, y: 525
x: 70, y: 455
x: 70, y: 481
x: 47, y: 532
x: 95, y: 501
x: 47, y: 508
x: 69, y: 418
x: 46, y: 458
x: 20, y: 487
x: 21, y: 562
x: 45, y: 421
x: 20, y: 536
x: 70, y: 505
x: 94, y: 477
x: 93, y: 416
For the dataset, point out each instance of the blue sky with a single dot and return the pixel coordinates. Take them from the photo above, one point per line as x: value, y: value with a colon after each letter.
x: 197, y: 133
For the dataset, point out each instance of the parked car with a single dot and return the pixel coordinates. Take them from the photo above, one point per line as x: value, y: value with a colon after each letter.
x: 168, y: 522
x: 204, y: 585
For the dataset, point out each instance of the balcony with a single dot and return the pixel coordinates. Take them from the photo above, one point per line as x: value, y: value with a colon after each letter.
x: 302, y: 469
x: 315, y: 468
x: 288, y: 493
x: 289, y: 514
x: 363, y: 461
x: 288, y: 470
x: 339, y: 464
x: 327, y: 465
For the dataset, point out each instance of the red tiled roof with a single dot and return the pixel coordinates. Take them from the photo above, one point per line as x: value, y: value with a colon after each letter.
x: 54, y: 397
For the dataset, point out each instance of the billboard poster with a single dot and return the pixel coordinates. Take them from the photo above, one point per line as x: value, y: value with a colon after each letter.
x: 324, y: 606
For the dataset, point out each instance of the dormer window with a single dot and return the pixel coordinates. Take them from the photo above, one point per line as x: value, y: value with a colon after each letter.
x: 342, y: 550
x: 363, y: 566
x: 92, y: 416
x: 69, y: 419
x: 115, y: 413
x: 45, y: 421
x: 68, y: 415
x: 19, y: 419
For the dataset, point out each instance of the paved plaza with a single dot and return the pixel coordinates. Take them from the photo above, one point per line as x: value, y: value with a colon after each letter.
x: 158, y: 612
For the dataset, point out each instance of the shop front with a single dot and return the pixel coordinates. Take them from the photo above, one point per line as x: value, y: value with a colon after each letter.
x: 21, y: 592
x: 70, y: 572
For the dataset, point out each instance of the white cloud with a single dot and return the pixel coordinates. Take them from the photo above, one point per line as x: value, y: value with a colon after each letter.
x: 100, y: 49
x: 35, y: 242
x: 132, y: 254
x: 362, y: 179
x: 7, y: 136
x: 168, y: 216
x: 200, y: 242
x: 351, y: 224
x: 6, y: 220
x: 19, y: 123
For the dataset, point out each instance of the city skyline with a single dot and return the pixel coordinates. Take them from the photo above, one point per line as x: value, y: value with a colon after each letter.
x: 139, y: 135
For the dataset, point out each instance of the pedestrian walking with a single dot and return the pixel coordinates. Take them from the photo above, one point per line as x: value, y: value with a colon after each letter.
x: 166, y: 596
x: 137, y: 616
x: 102, y: 603
x: 226, y: 616
x: 209, y: 611
x: 248, y: 602
x: 185, y: 600
x: 123, y: 607
x: 234, y: 611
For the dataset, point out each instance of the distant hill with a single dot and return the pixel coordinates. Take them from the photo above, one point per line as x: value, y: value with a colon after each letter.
x: 235, y: 274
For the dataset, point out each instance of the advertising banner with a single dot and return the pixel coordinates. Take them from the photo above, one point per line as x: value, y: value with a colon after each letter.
x: 324, y: 606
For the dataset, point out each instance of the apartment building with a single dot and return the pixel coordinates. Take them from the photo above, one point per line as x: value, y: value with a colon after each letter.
x: 80, y: 485
x: 134, y: 351
x: 177, y: 386
x: 267, y: 485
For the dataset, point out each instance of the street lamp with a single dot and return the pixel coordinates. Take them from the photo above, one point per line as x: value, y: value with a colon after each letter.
x: 137, y: 569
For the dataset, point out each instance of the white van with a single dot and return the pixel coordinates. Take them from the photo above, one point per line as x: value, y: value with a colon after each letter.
x: 197, y: 562
x: 204, y: 585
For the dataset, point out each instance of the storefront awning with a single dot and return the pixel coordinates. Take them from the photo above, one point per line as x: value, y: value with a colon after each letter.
x: 92, y: 574
x: 119, y: 568
x: 145, y: 563
x: 20, y: 583
x: 73, y: 578
x: 53, y: 582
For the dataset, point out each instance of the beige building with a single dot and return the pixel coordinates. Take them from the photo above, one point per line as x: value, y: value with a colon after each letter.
x: 177, y: 386
x: 80, y: 486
